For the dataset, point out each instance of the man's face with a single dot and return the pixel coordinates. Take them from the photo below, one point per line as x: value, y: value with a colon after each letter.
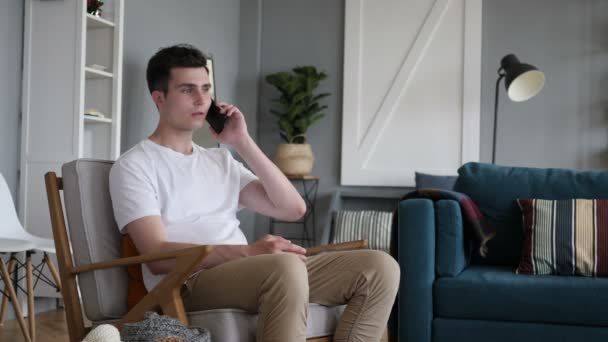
x: 184, y: 106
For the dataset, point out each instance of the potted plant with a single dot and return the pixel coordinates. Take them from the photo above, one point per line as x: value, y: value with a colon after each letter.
x: 299, y: 108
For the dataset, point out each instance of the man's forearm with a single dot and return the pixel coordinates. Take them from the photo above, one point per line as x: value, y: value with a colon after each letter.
x: 279, y: 189
x: 219, y: 255
x: 224, y: 253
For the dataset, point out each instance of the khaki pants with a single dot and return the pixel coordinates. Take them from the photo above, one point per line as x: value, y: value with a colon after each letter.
x: 278, y: 287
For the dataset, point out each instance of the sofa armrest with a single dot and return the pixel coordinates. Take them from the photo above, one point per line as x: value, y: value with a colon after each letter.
x: 451, y: 255
x: 416, y: 257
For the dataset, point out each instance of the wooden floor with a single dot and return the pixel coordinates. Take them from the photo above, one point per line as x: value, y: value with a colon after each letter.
x: 50, y: 327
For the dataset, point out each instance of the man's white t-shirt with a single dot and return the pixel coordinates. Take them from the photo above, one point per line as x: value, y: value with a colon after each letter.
x: 196, y: 195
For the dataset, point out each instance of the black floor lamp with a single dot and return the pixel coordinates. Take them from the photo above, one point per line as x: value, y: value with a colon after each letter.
x: 523, y: 82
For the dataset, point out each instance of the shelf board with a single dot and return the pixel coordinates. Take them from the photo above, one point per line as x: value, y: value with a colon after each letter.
x: 91, y: 73
x: 93, y: 119
x: 94, y: 22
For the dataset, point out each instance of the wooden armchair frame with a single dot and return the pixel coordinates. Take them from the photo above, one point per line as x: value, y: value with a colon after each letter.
x: 165, y: 296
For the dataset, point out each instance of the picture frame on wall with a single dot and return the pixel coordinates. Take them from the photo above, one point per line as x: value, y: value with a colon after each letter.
x: 210, y: 67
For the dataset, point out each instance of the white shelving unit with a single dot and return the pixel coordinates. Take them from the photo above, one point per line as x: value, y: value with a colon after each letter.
x: 72, y: 63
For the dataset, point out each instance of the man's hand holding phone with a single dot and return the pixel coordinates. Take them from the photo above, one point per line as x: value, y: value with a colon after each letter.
x: 227, y: 123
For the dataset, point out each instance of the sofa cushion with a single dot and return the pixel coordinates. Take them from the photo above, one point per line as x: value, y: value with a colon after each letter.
x: 456, y: 330
x: 564, y: 237
x: 498, y: 294
x: 371, y: 225
x: 451, y: 254
x: 425, y: 181
x: 495, y: 190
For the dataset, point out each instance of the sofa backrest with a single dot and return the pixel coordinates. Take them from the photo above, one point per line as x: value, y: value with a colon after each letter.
x: 495, y: 190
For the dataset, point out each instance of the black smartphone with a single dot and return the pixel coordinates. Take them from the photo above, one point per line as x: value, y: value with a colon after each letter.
x: 216, y: 118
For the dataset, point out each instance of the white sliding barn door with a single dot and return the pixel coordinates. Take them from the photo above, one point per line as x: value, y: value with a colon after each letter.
x: 412, y: 74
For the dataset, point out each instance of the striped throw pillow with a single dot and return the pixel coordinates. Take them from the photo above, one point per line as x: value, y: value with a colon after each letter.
x: 564, y: 237
x: 370, y: 225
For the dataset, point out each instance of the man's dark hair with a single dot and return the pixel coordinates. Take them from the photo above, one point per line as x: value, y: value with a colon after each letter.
x: 176, y: 56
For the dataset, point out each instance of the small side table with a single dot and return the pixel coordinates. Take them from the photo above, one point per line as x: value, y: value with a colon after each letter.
x: 308, y: 190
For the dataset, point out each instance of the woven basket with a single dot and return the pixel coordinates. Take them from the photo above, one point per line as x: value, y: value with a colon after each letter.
x: 294, y: 159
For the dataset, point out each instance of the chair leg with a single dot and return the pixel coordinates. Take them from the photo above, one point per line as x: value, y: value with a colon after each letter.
x: 13, y: 296
x: 53, y: 270
x: 11, y: 268
x: 31, y: 313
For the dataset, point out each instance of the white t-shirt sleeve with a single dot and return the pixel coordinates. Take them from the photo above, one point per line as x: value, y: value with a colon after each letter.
x: 245, y: 176
x: 133, y: 192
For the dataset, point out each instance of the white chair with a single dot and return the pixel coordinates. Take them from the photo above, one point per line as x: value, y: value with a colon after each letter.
x: 15, y: 239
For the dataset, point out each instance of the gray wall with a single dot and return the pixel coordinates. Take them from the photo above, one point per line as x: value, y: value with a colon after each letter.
x: 11, y: 55
x: 296, y: 32
x: 305, y: 33
x: 566, y: 125
x: 212, y: 26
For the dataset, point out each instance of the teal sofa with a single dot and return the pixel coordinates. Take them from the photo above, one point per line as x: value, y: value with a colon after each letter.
x: 449, y: 293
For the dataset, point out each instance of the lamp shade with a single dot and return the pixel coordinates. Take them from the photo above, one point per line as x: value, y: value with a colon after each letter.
x: 523, y: 81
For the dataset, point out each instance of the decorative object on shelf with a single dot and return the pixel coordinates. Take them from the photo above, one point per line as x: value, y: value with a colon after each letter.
x: 94, y: 112
x: 300, y: 109
x: 94, y: 7
x: 522, y: 81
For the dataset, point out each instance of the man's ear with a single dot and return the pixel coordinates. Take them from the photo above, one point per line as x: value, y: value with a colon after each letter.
x: 158, y: 97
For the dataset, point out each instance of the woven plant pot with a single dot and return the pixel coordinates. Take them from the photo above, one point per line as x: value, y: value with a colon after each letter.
x: 294, y: 159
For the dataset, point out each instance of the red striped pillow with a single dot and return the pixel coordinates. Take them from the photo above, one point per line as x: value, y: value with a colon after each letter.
x: 564, y: 237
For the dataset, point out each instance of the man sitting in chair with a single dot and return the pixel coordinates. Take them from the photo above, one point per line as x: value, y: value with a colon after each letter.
x: 168, y: 193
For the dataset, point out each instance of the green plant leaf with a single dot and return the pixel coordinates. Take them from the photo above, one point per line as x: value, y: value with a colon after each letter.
x: 286, y: 126
x: 320, y: 96
x: 301, y: 124
x: 284, y: 137
x: 315, y: 118
x: 299, y: 105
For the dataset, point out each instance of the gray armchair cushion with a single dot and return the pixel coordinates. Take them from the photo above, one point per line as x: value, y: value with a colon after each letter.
x: 234, y: 325
x: 239, y: 326
x: 94, y: 237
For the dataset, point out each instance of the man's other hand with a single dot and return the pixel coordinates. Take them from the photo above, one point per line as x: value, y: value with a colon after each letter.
x: 271, y: 244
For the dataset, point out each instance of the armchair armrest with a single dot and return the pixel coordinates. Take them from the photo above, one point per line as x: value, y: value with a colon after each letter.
x: 452, y: 253
x: 166, y: 294
x: 416, y: 257
x: 335, y: 247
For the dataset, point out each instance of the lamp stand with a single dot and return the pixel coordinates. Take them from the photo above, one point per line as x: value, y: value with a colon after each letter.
x: 501, y: 75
